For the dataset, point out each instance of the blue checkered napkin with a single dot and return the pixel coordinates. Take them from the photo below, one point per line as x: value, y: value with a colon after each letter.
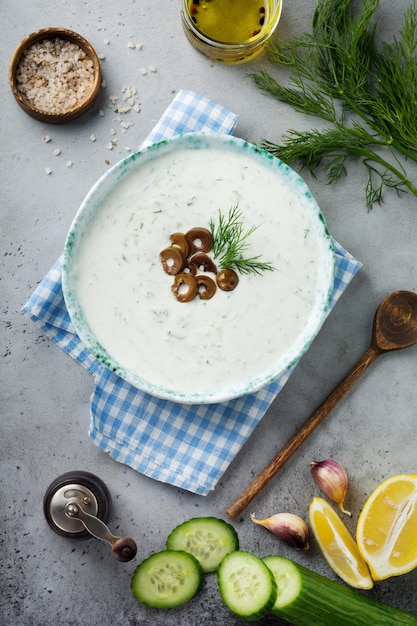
x: 191, y: 113
x: 187, y: 446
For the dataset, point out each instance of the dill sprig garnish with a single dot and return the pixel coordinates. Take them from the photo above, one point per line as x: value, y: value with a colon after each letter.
x: 366, y: 92
x: 230, y: 241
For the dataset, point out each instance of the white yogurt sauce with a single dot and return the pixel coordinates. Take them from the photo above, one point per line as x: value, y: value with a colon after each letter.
x: 201, y: 345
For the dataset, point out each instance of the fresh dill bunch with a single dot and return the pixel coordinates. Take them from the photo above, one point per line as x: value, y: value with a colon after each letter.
x: 230, y: 241
x: 367, y: 93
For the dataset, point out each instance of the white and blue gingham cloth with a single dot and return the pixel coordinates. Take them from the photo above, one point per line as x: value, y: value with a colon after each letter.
x: 187, y: 446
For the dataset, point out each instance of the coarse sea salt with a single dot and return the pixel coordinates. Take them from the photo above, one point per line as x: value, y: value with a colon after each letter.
x: 55, y: 75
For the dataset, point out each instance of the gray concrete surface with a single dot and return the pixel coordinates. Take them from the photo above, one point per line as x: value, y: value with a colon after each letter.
x: 48, y: 580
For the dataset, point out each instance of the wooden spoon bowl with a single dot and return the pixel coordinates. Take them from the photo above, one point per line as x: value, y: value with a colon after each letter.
x: 395, y: 322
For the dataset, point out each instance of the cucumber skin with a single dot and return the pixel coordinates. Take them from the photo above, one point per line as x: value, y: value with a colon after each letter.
x: 323, y: 602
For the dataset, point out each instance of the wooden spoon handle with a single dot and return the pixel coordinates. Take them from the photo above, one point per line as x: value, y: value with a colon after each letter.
x: 306, y: 429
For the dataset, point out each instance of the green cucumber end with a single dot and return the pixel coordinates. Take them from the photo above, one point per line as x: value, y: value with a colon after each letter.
x: 288, y: 580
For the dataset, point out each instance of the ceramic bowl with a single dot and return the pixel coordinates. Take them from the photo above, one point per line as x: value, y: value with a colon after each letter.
x: 68, y: 114
x: 120, y: 299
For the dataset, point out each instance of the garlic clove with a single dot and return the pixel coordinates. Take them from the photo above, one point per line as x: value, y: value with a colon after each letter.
x: 288, y: 527
x: 332, y: 479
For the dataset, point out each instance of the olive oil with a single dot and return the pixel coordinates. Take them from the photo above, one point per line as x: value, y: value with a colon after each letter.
x: 229, y: 21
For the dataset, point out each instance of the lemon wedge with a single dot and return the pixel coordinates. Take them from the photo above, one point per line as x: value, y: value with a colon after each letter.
x: 386, y: 533
x: 338, y: 546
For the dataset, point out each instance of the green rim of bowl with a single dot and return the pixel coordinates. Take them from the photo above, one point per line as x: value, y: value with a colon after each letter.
x: 91, y: 205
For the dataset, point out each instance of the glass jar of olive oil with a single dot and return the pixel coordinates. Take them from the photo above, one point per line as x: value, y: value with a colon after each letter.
x: 230, y: 31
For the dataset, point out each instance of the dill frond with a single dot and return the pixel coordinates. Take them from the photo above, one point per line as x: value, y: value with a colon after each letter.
x: 367, y: 93
x: 230, y: 241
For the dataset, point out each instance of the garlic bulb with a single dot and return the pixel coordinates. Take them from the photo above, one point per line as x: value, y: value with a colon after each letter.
x: 288, y: 527
x: 332, y: 479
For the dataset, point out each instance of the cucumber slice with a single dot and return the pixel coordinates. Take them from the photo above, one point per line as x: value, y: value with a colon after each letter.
x: 209, y: 539
x: 167, y: 579
x: 246, y: 585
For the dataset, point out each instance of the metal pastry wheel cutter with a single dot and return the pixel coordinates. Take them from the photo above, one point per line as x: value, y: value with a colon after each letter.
x: 76, y: 505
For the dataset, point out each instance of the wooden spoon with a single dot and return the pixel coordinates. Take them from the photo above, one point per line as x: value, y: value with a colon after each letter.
x: 394, y: 327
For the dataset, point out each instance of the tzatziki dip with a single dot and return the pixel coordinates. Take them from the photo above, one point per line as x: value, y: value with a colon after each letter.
x: 234, y: 343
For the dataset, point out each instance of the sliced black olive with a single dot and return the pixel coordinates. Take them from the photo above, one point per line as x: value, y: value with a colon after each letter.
x: 172, y: 260
x: 200, y: 238
x: 180, y: 240
x: 206, y: 287
x: 203, y: 262
x: 227, y: 279
x: 184, y: 287
x: 190, y: 268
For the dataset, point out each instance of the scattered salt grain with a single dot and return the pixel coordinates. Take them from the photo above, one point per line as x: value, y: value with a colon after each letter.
x: 128, y: 92
x: 56, y: 152
x: 131, y: 45
x: 122, y: 109
x: 93, y: 137
x: 139, y: 46
x: 46, y: 138
x: 70, y: 163
x: 48, y: 171
x: 143, y: 71
x: 101, y: 113
x: 152, y: 68
x: 55, y: 75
